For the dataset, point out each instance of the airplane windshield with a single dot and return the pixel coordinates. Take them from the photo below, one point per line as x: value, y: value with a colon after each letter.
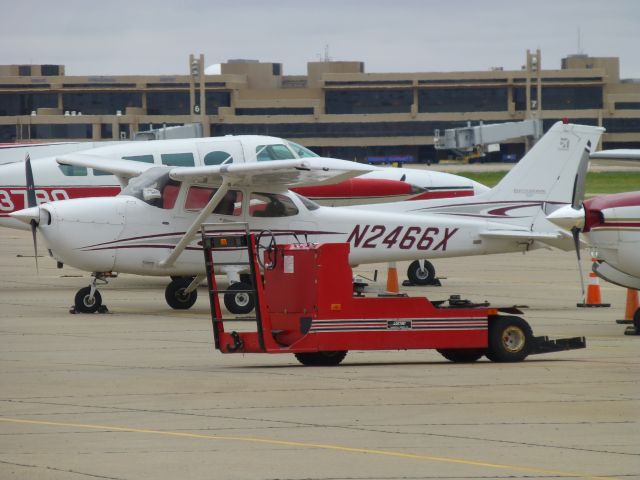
x: 301, y: 151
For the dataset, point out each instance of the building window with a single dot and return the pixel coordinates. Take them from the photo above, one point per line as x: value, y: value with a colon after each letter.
x: 571, y: 98
x: 81, y: 130
x: 213, y: 100
x: 217, y: 158
x: 106, y: 130
x: 101, y: 103
x: 168, y: 103
x: 50, y: 70
x: 621, y: 125
x: 24, y: 70
x: 275, y: 111
x: 438, y: 100
x: 25, y: 103
x: 368, y: 101
x: 178, y: 159
x: 7, y: 132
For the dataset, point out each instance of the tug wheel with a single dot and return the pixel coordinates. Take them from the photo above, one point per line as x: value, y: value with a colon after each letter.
x: 176, y: 296
x: 510, y: 339
x: 239, y: 303
x: 421, y: 276
x: 462, y: 355
x: 84, y: 303
x: 321, y: 359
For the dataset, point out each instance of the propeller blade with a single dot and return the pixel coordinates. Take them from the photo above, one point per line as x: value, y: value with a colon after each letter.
x: 34, y: 225
x: 581, y: 177
x: 31, y: 188
x: 576, y: 241
x: 31, y: 202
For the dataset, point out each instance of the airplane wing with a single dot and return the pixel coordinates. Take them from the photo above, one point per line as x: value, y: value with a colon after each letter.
x: 123, y: 169
x: 617, y: 154
x: 280, y: 173
x: 559, y: 239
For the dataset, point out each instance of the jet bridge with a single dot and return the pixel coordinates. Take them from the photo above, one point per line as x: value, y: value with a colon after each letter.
x: 469, y: 138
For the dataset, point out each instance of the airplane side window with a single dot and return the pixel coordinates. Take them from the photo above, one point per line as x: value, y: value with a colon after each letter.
x: 178, y: 159
x: 271, y: 205
x: 98, y: 173
x: 73, y: 171
x: 198, y: 197
x: 273, y: 152
x: 140, y: 158
x: 217, y: 158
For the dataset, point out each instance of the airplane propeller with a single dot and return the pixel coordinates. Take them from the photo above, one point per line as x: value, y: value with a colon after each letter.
x: 31, y: 203
x: 572, y: 217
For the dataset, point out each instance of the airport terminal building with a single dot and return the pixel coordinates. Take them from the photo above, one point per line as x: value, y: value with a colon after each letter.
x: 337, y: 109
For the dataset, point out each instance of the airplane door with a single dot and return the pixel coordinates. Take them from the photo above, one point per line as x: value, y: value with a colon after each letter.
x: 220, y: 151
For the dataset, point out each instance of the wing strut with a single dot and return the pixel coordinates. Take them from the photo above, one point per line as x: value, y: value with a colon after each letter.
x: 195, y: 226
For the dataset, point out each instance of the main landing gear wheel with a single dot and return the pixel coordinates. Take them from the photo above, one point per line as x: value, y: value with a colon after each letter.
x: 321, y: 359
x: 510, y: 339
x: 84, y: 303
x: 176, y: 296
x: 421, y: 276
x: 239, y: 303
x: 462, y: 355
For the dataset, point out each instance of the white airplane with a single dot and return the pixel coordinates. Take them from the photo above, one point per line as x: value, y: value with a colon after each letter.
x: 60, y: 182
x: 150, y: 227
x: 611, y: 225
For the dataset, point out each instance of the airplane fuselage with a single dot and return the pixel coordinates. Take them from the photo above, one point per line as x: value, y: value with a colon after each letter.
x: 113, y: 242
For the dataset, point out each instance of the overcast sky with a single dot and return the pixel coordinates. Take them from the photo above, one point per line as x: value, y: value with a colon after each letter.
x: 156, y: 37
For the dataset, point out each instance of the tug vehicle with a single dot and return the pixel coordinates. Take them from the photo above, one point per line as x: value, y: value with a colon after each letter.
x: 306, y: 305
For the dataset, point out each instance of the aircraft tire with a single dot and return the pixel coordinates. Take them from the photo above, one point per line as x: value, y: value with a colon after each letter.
x: 636, y: 320
x: 462, y: 355
x: 321, y: 359
x: 83, y: 304
x: 239, y: 303
x: 510, y: 339
x: 176, y: 297
x: 419, y: 276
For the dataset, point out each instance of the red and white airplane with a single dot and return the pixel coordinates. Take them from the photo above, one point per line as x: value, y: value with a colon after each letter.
x: 150, y: 227
x: 610, y: 224
x: 60, y: 182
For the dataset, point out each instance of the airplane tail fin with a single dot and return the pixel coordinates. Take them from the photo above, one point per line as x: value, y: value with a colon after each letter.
x: 550, y: 171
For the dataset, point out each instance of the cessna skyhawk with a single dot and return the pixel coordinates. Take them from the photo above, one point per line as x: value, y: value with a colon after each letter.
x: 150, y: 228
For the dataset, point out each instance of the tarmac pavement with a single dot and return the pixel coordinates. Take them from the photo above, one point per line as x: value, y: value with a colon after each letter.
x: 140, y: 393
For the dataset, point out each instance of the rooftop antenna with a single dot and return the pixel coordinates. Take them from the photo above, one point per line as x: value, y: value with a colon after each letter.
x: 327, y: 58
x: 579, y: 42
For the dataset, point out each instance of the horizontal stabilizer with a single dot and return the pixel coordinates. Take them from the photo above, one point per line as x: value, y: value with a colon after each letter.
x: 558, y: 239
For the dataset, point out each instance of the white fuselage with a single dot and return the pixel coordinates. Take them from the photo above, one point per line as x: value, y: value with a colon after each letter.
x: 54, y: 182
x: 132, y: 236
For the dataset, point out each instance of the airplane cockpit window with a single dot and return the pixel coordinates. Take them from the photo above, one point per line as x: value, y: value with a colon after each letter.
x: 273, y: 152
x: 310, y: 204
x: 73, y: 171
x: 198, y: 197
x: 217, y: 158
x: 140, y: 158
x: 154, y: 187
x: 178, y: 159
x: 301, y: 151
x: 271, y: 205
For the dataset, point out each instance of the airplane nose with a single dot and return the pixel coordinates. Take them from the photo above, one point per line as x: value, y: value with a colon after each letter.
x: 27, y: 214
x: 567, y: 217
x: 40, y: 215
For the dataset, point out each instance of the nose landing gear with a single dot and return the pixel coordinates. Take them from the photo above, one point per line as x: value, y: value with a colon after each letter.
x: 88, y: 299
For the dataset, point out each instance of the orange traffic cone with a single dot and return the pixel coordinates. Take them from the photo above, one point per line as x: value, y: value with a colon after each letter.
x: 594, y: 298
x: 392, y: 278
x: 632, y: 306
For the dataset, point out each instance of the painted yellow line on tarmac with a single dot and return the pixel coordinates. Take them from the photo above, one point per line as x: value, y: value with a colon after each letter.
x: 320, y: 446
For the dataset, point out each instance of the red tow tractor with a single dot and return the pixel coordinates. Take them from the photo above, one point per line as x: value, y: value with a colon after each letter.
x: 306, y: 304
